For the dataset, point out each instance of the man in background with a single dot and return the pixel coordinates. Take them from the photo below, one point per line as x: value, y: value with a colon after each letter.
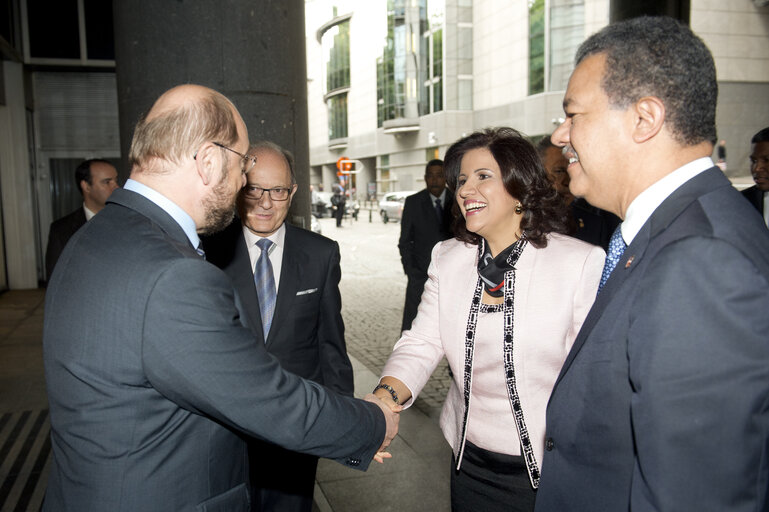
x: 424, y: 223
x: 96, y: 179
x: 296, y: 315
x: 661, y: 403
x: 758, y: 194
x: 152, y: 380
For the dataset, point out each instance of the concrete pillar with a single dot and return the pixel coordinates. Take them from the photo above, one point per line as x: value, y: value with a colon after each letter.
x: 624, y: 9
x: 19, y: 246
x: 253, y: 52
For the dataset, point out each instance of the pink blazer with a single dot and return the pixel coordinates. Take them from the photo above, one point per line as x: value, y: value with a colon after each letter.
x: 554, y: 290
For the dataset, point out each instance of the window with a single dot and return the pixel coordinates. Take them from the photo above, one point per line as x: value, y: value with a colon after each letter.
x: 431, y: 59
x: 536, y: 46
x: 336, y: 49
x: 566, y: 33
x: 55, y: 30
x: 391, y: 67
x: 337, y: 116
x: 553, y: 41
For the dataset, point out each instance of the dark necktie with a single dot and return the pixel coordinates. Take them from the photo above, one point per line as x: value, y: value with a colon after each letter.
x: 265, y: 285
x: 616, y: 248
x: 439, y: 210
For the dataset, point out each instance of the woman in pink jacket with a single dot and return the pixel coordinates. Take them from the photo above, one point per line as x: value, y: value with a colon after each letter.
x: 503, y: 303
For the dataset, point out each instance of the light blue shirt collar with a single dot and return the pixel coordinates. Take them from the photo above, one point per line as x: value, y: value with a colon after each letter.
x: 180, y: 216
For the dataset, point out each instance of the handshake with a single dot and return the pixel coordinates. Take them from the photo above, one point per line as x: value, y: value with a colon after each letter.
x: 389, y: 395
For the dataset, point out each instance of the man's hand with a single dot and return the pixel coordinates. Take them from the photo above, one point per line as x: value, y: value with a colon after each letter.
x: 392, y: 417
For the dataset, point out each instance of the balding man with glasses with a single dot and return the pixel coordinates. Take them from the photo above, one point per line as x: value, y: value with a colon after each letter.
x: 152, y: 379
x: 287, y: 280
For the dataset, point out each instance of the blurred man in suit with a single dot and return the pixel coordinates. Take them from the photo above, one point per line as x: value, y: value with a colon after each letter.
x: 758, y: 194
x: 305, y: 331
x: 591, y: 224
x: 96, y: 179
x: 661, y: 403
x: 424, y: 223
x: 152, y: 379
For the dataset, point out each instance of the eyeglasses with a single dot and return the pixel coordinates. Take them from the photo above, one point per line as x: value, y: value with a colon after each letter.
x: 275, y: 194
x: 248, y: 161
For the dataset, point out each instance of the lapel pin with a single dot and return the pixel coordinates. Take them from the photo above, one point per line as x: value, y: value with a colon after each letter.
x: 629, y: 261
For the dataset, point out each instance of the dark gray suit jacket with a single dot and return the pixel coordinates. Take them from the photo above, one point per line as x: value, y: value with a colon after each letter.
x: 663, y: 401
x: 756, y: 198
x: 151, y: 376
x: 59, y: 234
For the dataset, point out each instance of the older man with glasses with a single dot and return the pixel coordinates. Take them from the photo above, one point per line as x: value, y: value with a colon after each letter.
x: 287, y: 279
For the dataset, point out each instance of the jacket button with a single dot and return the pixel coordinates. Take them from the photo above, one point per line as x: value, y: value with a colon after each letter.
x: 353, y: 462
x: 549, y: 444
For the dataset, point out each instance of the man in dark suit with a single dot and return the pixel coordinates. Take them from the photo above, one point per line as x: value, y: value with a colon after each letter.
x: 306, y: 332
x: 424, y: 223
x: 758, y: 194
x: 590, y: 224
x: 151, y: 378
x: 96, y: 179
x: 661, y: 403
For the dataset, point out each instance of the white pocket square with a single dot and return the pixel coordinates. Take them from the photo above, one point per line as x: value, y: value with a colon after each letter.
x: 306, y: 292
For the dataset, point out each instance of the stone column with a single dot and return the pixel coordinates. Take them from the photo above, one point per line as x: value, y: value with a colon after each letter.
x: 251, y: 51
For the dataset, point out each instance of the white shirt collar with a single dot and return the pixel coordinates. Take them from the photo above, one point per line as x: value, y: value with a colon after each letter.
x: 277, y: 238
x: 647, y: 201
x: 88, y: 213
x: 442, y: 197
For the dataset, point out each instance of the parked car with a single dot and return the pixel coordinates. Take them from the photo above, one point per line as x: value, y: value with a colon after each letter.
x: 391, y: 205
x: 323, y: 208
x: 315, y: 225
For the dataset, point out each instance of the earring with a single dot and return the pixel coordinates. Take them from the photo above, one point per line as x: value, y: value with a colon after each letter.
x: 519, y: 208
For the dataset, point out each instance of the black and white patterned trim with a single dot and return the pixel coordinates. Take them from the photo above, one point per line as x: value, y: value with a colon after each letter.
x: 512, y: 390
x: 491, y: 308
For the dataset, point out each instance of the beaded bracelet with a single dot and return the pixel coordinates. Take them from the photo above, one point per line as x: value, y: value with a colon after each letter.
x: 390, y: 390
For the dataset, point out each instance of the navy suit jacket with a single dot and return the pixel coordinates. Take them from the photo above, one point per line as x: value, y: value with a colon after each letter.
x: 152, y: 378
x: 307, y: 334
x: 756, y: 198
x: 663, y: 401
x: 59, y: 234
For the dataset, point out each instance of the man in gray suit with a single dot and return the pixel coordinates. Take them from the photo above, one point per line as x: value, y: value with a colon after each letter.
x: 151, y: 377
x: 662, y: 401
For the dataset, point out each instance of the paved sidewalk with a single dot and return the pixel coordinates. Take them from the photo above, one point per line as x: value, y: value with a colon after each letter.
x: 373, y: 289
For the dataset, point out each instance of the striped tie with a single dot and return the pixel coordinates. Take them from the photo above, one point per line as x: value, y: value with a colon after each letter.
x: 265, y: 285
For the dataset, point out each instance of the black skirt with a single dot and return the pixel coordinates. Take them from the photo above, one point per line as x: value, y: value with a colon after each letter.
x: 490, y: 482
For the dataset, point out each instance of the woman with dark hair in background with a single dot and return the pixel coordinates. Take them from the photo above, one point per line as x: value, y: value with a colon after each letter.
x: 503, y: 303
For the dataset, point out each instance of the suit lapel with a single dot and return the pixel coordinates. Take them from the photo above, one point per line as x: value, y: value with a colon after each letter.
x: 290, y: 280
x: 658, y: 222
